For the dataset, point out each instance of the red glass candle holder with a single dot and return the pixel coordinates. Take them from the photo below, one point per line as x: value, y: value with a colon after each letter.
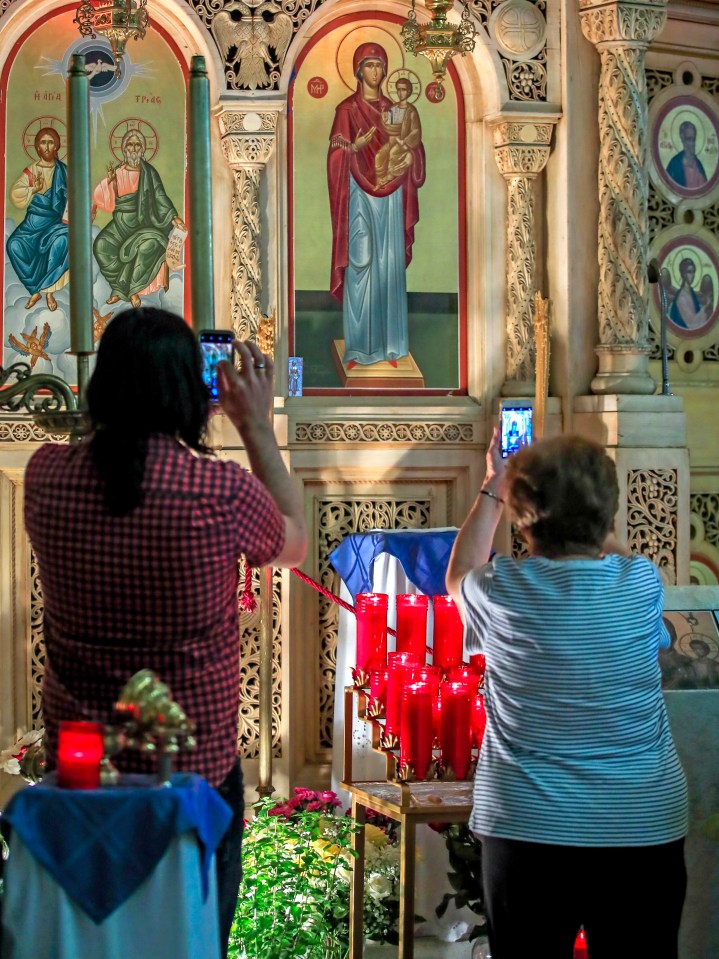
x: 80, y: 748
x: 415, y: 742
x: 479, y: 662
x: 377, y: 693
x: 479, y: 721
x: 580, y: 946
x: 371, y: 610
x: 427, y: 674
x: 455, y: 738
x: 464, y: 674
x: 412, y: 625
x: 437, y: 717
x: 447, y: 634
x: 399, y: 668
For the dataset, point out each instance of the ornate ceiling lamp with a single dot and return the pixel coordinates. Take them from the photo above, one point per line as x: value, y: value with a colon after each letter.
x: 439, y: 40
x: 116, y: 20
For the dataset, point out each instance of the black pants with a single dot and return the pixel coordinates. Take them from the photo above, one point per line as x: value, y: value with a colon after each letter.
x: 229, y: 862
x: 629, y: 899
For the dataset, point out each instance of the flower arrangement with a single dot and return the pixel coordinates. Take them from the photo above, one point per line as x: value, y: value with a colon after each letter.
x: 25, y: 757
x: 293, y: 900
x: 295, y: 894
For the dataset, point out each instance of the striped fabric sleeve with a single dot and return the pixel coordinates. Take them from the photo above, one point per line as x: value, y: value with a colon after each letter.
x: 478, y: 583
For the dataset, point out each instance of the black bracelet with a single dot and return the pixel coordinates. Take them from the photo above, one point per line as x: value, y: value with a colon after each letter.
x: 486, y: 492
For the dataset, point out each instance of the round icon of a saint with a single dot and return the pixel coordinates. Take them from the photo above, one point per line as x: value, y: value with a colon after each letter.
x: 685, y: 147
x: 690, y: 273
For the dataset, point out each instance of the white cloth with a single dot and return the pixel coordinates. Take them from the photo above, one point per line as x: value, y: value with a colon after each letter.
x: 165, y: 918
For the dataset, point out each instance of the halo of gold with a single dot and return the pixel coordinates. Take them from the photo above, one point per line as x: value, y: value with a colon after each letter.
x: 367, y: 34
x: 152, y: 141
x: 404, y: 74
x: 32, y: 129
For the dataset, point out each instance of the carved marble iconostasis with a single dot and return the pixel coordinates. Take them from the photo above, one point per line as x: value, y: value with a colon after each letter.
x: 539, y: 177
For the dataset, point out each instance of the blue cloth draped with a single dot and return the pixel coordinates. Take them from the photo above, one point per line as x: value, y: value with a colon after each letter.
x: 423, y: 555
x: 38, y: 247
x: 101, y: 844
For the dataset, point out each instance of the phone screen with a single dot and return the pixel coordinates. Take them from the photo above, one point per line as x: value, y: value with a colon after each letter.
x: 215, y: 345
x: 516, y: 426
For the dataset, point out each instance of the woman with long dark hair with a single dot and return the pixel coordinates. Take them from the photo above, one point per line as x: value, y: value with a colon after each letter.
x: 138, y: 532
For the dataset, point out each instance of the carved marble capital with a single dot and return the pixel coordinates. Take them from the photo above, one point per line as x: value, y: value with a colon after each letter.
x: 521, y: 150
x: 622, y: 22
x: 248, y: 135
x: 521, y: 147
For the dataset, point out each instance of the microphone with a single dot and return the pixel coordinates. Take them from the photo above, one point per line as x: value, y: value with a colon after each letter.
x: 655, y: 275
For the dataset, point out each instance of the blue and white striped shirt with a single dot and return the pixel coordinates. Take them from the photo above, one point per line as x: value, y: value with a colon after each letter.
x: 577, y: 749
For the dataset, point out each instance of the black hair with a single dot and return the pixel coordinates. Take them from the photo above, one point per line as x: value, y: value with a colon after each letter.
x: 148, y: 379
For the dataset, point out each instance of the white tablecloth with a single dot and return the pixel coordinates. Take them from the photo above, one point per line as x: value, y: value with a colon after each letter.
x: 165, y: 918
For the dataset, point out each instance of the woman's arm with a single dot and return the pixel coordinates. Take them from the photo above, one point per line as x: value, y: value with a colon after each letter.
x: 474, y: 540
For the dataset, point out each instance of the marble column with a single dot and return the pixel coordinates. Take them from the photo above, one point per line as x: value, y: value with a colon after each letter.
x: 248, y: 135
x: 521, y: 149
x: 621, y: 30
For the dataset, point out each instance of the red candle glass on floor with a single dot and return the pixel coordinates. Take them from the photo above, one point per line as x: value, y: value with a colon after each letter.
x: 464, y: 674
x: 399, y: 668
x: 455, y: 737
x: 412, y: 625
x: 448, y: 633
x: 80, y: 748
x: 371, y: 609
x: 479, y: 720
x: 415, y: 750
x: 580, y: 946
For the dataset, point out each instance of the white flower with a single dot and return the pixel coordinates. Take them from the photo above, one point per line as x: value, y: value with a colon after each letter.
x: 378, y: 887
x: 8, y: 763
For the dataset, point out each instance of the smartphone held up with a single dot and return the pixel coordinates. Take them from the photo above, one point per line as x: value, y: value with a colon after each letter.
x: 515, y: 428
x: 215, y: 345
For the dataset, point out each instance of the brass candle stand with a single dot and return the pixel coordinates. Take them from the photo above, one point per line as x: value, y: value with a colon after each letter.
x: 368, y: 710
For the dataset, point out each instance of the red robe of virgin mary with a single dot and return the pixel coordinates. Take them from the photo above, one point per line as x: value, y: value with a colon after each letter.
x: 353, y: 116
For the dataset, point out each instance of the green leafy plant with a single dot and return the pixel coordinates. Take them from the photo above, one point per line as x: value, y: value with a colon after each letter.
x: 294, y: 899
x: 465, y: 860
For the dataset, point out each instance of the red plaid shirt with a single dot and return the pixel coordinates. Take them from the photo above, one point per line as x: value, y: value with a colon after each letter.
x: 156, y: 589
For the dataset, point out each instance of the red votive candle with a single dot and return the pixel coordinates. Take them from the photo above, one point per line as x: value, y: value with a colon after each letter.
x: 415, y: 742
x: 464, y: 674
x: 455, y: 737
x: 399, y: 667
x: 80, y: 748
x: 412, y: 625
x: 378, y: 689
x: 479, y: 662
x: 580, y: 946
x: 437, y: 716
x: 371, y: 609
x: 448, y: 634
x: 479, y: 720
x: 427, y: 674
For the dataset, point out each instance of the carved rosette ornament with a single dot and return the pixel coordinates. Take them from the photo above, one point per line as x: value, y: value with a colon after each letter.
x: 248, y: 141
x: 622, y: 30
x: 521, y: 149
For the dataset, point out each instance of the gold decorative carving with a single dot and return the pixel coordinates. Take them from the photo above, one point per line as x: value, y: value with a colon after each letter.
x: 254, y: 43
x: 266, y: 332
x: 251, y: 36
x: 336, y: 518
x: 521, y: 149
x: 652, y: 517
x: 246, y: 154
x: 704, y: 509
x: 25, y: 431
x: 249, y: 711
x: 37, y: 642
x: 383, y: 432
x: 515, y: 32
x: 518, y: 547
x: 541, y: 339
x: 518, y: 28
x: 622, y: 30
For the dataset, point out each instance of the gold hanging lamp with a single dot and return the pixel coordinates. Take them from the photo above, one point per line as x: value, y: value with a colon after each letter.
x: 439, y: 40
x: 116, y: 20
